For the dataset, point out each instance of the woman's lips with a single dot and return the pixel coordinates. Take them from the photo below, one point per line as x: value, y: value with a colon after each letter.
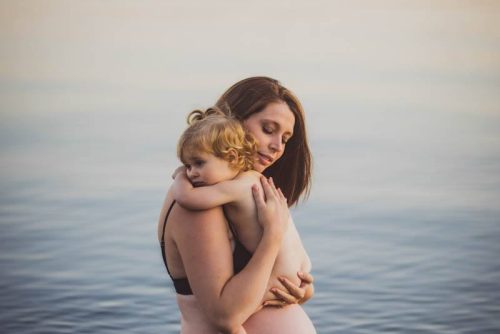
x: 264, y: 159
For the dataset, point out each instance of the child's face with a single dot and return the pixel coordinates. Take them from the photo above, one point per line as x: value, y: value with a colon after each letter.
x: 204, y: 169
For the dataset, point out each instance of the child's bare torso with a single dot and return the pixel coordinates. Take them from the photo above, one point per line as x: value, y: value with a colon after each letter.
x: 242, y: 214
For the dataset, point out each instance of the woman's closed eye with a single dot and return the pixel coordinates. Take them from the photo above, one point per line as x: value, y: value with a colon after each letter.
x: 267, y: 130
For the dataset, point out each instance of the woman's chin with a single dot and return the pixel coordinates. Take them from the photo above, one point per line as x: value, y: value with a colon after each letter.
x: 259, y: 167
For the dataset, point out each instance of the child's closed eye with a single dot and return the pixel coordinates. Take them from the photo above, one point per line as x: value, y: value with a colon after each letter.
x: 199, y: 163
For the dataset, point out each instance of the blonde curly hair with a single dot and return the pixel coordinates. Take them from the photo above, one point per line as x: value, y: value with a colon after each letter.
x: 215, y: 132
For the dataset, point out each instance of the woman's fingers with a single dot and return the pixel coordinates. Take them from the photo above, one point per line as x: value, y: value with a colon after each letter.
x: 284, y: 296
x: 273, y: 187
x: 275, y: 303
x: 272, y: 212
x: 296, y: 291
x: 268, y: 189
x: 306, y: 278
x: 258, y: 197
x: 282, y: 197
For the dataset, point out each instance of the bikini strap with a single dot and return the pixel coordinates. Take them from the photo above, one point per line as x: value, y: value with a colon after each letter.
x: 162, y: 243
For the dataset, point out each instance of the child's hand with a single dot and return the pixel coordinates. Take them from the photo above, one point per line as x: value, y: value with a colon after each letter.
x: 181, y: 169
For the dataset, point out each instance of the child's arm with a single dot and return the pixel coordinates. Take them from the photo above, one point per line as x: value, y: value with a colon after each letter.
x: 206, y: 197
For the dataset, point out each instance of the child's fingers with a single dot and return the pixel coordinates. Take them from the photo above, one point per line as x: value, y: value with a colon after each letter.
x: 178, y: 170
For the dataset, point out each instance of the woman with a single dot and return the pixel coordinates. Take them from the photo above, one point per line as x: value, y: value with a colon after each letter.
x: 219, y: 285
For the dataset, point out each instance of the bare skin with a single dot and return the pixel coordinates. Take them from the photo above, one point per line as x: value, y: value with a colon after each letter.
x: 222, y: 301
x: 227, y: 299
x: 222, y: 187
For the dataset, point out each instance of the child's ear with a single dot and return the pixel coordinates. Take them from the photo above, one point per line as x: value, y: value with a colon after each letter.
x: 232, y: 157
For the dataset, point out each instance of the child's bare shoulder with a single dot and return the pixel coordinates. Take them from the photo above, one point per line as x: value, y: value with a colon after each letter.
x: 249, y: 176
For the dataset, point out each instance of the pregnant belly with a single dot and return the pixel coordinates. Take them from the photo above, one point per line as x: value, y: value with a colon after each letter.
x: 290, y: 319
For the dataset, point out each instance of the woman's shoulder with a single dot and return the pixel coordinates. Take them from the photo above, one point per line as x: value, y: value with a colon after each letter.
x: 198, y: 214
x: 190, y: 225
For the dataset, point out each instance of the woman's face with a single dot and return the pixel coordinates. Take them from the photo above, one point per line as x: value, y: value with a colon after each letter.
x: 272, y: 128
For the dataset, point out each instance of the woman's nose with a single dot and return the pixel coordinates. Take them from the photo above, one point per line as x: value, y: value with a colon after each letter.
x: 276, y: 145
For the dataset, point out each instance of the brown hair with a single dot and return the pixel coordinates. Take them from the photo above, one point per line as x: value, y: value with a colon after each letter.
x: 214, y: 132
x: 292, y: 172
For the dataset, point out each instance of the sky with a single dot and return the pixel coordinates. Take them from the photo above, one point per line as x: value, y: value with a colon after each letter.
x: 401, y: 97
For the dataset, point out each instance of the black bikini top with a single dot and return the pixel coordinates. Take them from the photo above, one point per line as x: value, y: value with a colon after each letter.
x: 241, y: 256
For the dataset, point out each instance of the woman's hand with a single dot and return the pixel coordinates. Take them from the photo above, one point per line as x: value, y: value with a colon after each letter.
x: 294, y: 294
x: 272, y: 210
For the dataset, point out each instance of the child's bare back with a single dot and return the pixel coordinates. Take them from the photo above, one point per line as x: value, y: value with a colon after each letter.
x: 242, y: 214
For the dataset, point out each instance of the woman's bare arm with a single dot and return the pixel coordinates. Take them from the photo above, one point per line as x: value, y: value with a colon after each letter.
x: 228, y: 299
